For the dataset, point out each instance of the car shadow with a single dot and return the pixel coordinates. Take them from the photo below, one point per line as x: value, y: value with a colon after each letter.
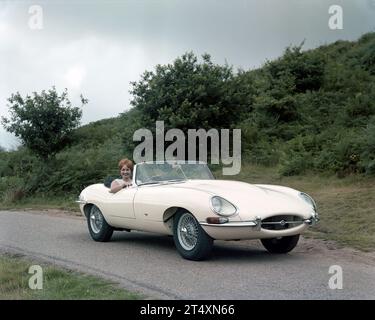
x: 224, y: 251
x: 144, y: 238
x: 249, y: 252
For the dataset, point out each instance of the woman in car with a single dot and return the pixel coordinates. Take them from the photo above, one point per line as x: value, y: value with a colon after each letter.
x: 126, y: 172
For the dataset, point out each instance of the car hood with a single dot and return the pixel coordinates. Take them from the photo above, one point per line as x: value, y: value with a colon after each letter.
x: 253, y: 200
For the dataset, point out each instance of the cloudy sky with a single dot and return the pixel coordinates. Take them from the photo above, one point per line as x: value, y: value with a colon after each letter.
x: 97, y: 47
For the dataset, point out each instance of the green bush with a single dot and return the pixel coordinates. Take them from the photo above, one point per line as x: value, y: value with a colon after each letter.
x: 367, y: 160
x: 341, y: 153
x: 12, y: 189
x: 188, y: 94
x: 297, y: 156
x: 75, y: 169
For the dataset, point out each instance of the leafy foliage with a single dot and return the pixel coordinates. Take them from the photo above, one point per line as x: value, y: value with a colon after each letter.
x: 313, y: 108
x: 43, y: 121
x: 188, y: 94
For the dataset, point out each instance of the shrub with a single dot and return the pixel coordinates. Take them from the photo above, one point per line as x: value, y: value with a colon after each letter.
x: 296, y: 157
x: 12, y: 189
x: 367, y: 160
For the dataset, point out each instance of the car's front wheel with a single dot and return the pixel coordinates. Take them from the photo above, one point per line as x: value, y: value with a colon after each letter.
x: 191, y: 241
x: 99, y: 229
x: 280, y: 245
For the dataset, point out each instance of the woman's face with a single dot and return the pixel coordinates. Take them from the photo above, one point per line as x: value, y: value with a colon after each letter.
x: 125, y: 172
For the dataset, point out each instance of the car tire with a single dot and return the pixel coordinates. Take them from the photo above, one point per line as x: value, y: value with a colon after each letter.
x: 191, y: 241
x: 280, y: 245
x: 99, y: 229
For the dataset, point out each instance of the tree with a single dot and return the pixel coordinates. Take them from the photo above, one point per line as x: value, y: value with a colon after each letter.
x: 306, y: 69
x: 43, y: 121
x: 188, y: 94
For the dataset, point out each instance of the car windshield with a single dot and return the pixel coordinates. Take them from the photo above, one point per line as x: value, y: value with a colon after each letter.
x: 154, y: 172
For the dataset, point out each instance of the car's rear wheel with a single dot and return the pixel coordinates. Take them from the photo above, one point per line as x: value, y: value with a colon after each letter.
x: 99, y: 229
x: 280, y: 245
x: 191, y: 241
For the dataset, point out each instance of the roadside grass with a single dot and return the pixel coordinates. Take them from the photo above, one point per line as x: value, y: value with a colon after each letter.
x: 42, y: 202
x: 346, y: 205
x: 58, y: 283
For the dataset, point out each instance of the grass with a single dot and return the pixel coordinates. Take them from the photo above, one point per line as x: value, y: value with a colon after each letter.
x: 42, y: 202
x: 58, y: 283
x: 346, y: 206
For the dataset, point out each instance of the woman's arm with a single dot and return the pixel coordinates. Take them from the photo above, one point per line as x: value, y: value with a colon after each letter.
x: 116, y: 186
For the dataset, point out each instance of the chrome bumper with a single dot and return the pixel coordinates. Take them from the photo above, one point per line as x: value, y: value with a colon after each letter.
x: 252, y: 224
x: 80, y: 201
x: 312, y: 221
x: 257, y: 223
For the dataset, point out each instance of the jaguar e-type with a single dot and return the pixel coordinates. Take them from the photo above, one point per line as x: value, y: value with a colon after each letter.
x: 184, y: 200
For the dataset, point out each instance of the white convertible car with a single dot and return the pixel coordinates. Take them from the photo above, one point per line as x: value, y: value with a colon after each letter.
x: 184, y: 200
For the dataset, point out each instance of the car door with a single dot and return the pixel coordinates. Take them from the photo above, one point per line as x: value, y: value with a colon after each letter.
x: 120, y: 204
x: 149, y: 203
x: 149, y: 206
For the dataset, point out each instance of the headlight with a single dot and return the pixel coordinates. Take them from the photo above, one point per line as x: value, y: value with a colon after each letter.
x: 222, y: 207
x: 308, y: 199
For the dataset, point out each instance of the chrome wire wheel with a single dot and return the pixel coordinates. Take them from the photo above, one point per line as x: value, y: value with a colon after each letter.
x: 96, y: 220
x: 187, y: 231
x: 190, y: 239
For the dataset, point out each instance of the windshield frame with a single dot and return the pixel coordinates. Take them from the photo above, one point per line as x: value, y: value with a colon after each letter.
x: 178, y: 162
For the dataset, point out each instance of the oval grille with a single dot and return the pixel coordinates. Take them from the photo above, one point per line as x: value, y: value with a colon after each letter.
x: 281, y: 222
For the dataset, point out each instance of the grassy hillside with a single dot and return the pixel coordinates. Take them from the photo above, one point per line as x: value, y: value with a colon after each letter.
x: 315, y: 110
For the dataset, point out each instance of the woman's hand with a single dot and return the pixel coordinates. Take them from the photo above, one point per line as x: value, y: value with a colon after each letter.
x: 126, y: 184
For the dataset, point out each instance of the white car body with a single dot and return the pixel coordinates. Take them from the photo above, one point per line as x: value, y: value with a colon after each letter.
x: 262, y: 211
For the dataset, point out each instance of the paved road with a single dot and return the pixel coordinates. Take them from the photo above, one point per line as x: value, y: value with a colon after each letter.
x: 149, y: 263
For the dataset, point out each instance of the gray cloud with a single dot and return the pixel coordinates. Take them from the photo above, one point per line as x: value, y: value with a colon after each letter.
x: 98, y: 47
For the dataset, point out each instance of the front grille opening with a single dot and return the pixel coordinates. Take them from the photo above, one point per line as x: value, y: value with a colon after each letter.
x: 281, y: 222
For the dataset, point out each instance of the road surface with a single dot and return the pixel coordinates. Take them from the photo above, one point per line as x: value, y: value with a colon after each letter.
x: 149, y: 263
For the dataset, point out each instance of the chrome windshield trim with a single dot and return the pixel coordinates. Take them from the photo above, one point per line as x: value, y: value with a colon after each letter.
x: 137, y: 165
x: 158, y: 183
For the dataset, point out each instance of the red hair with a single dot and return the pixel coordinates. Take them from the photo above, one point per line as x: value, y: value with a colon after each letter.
x: 126, y: 162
